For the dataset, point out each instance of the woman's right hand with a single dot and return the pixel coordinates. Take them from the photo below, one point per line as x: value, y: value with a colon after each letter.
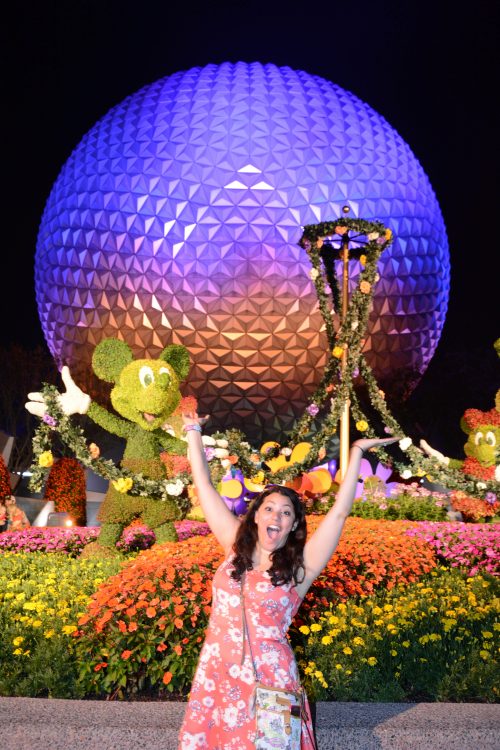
x: 192, y: 417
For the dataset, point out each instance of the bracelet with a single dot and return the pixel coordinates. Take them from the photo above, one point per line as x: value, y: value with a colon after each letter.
x: 189, y: 427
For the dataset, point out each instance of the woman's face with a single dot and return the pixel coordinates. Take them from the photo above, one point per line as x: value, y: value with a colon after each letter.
x: 274, y: 519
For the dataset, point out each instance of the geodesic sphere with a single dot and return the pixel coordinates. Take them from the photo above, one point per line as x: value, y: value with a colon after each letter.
x: 176, y: 220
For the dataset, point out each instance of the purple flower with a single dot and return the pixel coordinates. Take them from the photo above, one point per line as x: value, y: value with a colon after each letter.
x: 209, y: 452
x: 312, y: 409
x: 490, y: 498
x: 49, y: 420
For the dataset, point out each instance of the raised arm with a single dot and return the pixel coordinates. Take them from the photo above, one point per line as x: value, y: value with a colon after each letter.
x: 222, y: 522
x: 323, y: 543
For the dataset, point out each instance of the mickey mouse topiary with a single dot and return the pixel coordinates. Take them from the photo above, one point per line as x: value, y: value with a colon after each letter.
x: 145, y: 395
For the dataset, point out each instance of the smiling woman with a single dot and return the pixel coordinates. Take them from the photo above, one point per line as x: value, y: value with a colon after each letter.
x: 247, y: 667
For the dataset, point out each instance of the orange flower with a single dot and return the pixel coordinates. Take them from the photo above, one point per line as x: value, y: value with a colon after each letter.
x: 167, y: 677
x: 100, y: 666
x: 178, y: 623
x: 340, y: 230
x: 151, y: 612
x: 162, y: 647
x: 126, y: 654
x: 365, y: 287
x: 132, y: 627
x: 122, y: 627
x: 178, y: 649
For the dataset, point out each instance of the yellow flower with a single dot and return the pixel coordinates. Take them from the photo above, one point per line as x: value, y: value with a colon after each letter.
x: 406, y: 644
x: 49, y: 633
x: 486, y: 634
x: 123, y: 484
x: 68, y: 629
x: 17, y: 641
x: 304, y: 629
x: 46, y: 459
x: 315, y: 627
x: 339, y: 666
x: 388, y: 234
x: 326, y: 640
x: 357, y: 641
x: 17, y: 651
x: 362, y: 260
x: 372, y: 661
x: 484, y: 655
x: 393, y: 652
x: 337, y: 352
x: 36, y: 623
x: 347, y: 650
x: 361, y: 425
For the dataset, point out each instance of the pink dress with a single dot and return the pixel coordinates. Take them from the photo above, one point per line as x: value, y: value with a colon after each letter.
x: 220, y: 715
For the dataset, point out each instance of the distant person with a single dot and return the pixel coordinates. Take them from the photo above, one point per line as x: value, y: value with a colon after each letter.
x: 16, y: 517
x: 3, y: 515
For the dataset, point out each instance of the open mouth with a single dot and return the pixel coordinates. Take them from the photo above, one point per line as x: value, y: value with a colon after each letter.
x: 273, y: 532
x: 149, y: 417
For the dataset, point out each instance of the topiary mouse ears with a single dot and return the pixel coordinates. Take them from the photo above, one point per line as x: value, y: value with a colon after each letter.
x: 178, y: 357
x: 109, y: 358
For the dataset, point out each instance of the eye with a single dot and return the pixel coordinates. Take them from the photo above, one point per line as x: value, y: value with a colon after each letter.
x: 146, y: 376
x: 478, y: 438
x: 286, y: 513
x: 164, y: 371
x: 490, y: 438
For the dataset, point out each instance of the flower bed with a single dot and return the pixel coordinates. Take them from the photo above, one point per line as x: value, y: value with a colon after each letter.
x: 474, y: 547
x: 432, y: 640
x: 41, y: 598
x: 139, y: 632
x: 370, y: 554
x: 152, y: 638
x: 71, y: 541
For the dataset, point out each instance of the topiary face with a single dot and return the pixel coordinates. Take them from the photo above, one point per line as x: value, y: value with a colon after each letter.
x: 482, y: 444
x: 147, y: 392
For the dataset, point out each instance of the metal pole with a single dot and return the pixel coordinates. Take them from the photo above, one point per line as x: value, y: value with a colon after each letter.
x: 344, y: 416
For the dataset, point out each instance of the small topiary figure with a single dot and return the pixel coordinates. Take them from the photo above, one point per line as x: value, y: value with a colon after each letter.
x: 483, y: 442
x: 145, y: 395
x: 65, y: 487
x: 5, y: 490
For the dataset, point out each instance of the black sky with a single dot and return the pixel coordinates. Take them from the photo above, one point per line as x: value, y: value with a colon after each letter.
x: 427, y: 67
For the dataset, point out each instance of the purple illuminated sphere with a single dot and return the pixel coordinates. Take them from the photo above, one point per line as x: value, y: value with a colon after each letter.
x: 177, y: 217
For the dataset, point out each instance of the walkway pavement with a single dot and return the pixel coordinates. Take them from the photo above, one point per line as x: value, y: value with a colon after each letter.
x: 39, y: 724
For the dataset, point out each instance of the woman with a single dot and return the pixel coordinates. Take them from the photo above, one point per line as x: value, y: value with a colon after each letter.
x: 267, y: 571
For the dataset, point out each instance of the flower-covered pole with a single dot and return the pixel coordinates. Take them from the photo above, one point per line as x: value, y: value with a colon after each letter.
x: 344, y: 415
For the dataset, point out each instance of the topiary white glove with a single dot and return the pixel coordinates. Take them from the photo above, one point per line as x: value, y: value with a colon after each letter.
x: 433, y: 453
x: 73, y: 401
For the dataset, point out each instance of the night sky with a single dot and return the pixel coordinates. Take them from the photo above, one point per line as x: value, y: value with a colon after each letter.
x: 428, y: 68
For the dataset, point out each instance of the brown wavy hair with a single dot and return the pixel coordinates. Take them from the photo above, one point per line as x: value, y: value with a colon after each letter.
x: 287, y: 561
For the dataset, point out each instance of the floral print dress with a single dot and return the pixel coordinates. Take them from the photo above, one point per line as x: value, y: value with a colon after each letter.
x: 220, y: 713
